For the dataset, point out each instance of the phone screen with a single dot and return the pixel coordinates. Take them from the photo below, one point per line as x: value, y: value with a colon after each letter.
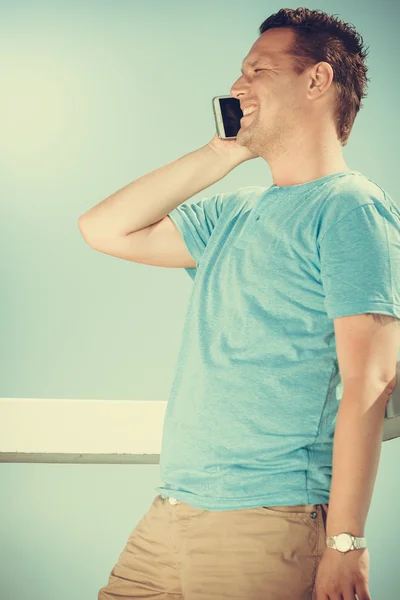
x: 231, y: 114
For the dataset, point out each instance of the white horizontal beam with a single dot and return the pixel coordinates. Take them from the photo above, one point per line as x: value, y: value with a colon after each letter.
x: 94, y: 431
x: 100, y: 431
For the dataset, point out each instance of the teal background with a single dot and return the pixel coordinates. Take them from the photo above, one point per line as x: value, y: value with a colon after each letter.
x: 94, y: 95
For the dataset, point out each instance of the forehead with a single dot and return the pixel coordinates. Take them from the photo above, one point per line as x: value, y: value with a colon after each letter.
x: 271, y: 47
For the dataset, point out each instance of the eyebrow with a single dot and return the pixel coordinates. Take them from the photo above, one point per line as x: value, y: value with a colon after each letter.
x: 258, y: 61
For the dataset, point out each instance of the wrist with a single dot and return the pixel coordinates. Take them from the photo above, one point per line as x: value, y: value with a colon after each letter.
x: 356, y: 531
x: 345, y: 542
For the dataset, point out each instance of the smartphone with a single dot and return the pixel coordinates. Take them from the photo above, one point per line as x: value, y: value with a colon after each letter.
x: 227, y: 114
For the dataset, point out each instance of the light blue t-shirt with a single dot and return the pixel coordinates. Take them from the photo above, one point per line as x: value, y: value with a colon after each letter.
x: 252, y: 410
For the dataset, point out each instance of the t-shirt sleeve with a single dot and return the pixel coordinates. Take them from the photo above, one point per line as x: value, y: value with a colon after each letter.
x: 360, y: 262
x: 196, y: 223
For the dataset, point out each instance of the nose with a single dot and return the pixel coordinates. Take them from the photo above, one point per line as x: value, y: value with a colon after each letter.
x: 234, y: 88
x: 239, y: 87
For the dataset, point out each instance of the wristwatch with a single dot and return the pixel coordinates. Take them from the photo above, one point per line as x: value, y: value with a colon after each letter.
x: 344, y: 542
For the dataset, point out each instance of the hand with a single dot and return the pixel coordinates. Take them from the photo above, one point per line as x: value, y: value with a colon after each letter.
x: 230, y: 150
x: 342, y: 576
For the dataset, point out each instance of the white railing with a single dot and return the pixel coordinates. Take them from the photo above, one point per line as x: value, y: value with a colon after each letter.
x: 102, y: 431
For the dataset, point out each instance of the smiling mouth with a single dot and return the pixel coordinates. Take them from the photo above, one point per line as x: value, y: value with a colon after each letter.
x: 247, y: 116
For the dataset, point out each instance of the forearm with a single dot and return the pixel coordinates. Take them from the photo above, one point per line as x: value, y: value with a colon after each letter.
x: 356, y: 454
x: 153, y: 196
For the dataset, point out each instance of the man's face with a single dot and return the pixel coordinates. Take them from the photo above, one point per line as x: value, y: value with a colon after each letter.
x: 274, y: 88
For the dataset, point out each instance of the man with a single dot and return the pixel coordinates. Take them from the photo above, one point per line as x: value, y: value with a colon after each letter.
x: 274, y: 422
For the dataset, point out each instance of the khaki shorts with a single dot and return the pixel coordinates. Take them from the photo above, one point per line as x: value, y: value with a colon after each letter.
x: 178, y: 552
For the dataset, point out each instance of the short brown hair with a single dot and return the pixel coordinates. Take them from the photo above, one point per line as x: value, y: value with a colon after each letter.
x: 321, y: 37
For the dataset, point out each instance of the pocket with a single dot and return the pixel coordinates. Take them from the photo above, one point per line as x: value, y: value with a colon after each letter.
x: 300, y: 512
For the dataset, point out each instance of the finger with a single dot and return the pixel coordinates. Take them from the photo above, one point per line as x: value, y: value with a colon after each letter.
x: 362, y: 593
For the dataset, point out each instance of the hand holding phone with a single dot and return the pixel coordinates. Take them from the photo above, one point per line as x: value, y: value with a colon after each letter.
x: 227, y: 113
x: 230, y: 150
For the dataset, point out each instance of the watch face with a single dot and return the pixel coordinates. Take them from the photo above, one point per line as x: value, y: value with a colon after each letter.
x: 344, y: 542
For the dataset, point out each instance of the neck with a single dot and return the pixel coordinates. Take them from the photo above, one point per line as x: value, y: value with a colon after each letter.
x: 305, y: 157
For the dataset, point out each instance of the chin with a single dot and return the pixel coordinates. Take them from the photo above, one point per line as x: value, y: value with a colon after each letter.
x: 241, y: 137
